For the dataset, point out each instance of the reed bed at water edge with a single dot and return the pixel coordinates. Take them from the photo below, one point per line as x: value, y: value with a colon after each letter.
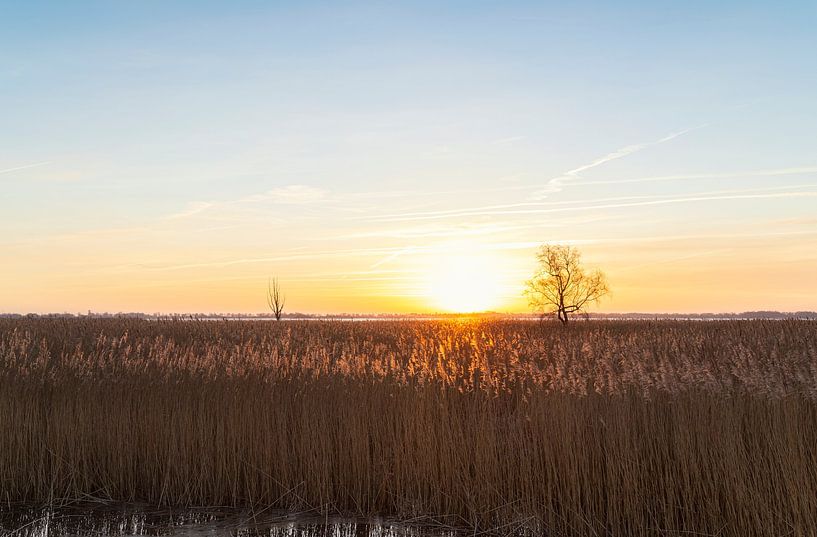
x: 597, y: 428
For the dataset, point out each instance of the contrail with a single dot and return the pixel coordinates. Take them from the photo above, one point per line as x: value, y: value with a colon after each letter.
x: 714, y: 175
x: 390, y: 257
x: 552, y: 206
x: 686, y: 199
x: 25, y: 167
x: 556, y: 184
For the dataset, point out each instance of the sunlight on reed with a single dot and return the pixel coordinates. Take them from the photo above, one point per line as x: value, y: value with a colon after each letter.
x: 625, y: 428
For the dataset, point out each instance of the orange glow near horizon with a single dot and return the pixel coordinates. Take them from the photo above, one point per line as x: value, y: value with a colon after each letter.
x: 688, y: 275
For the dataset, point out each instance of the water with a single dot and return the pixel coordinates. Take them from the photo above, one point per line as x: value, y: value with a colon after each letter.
x: 95, y: 520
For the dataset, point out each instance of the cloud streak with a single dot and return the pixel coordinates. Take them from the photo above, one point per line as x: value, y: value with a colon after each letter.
x: 713, y: 175
x: 645, y: 201
x: 193, y: 208
x: 557, y: 183
x: 500, y: 209
x: 285, y: 195
x: 289, y: 195
x: 24, y: 167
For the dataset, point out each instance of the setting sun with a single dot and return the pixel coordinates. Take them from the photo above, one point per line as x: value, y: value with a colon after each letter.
x: 465, y: 284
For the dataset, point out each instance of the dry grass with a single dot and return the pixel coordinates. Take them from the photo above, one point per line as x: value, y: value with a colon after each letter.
x: 600, y: 428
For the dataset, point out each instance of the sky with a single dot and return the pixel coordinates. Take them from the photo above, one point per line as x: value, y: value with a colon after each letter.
x: 173, y: 156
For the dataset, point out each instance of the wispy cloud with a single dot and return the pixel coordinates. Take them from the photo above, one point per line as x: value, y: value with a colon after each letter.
x: 285, y: 195
x: 542, y: 208
x: 436, y: 231
x: 699, y: 237
x: 577, y: 182
x: 557, y: 183
x: 24, y: 167
x: 674, y: 259
x: 485, y: 209
x: 385, y: 253
x: 290, y: 194
x: 803, y: 170
x: 193, y: 208
x: 294, y: 256
x: 391, y: 257
x: 349, y: 202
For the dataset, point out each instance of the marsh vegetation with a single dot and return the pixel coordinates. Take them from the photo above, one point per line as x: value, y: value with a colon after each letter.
x: 594, y: 428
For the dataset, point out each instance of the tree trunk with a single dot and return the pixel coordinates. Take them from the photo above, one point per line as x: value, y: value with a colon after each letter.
x: 562, y: 311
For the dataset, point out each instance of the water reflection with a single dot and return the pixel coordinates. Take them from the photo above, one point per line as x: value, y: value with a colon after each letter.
x: 126, y: 521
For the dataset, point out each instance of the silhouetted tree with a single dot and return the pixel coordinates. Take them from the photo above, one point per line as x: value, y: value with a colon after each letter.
x: 275, y: 300
x: 561, y: 285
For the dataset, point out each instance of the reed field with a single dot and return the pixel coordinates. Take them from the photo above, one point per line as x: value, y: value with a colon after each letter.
x: 595, y: 428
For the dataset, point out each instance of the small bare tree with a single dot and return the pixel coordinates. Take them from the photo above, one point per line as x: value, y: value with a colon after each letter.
x: 561, y: 285
x: 275, y: 300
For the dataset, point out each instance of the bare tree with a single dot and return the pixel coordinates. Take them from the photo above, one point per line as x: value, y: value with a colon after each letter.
x: 275, y: 300
x: 561, y: 285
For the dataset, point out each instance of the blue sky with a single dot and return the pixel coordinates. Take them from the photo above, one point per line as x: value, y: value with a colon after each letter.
x: 169, y: 156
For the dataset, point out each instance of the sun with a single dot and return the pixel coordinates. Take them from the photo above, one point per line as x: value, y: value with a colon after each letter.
x: 465, y: 284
